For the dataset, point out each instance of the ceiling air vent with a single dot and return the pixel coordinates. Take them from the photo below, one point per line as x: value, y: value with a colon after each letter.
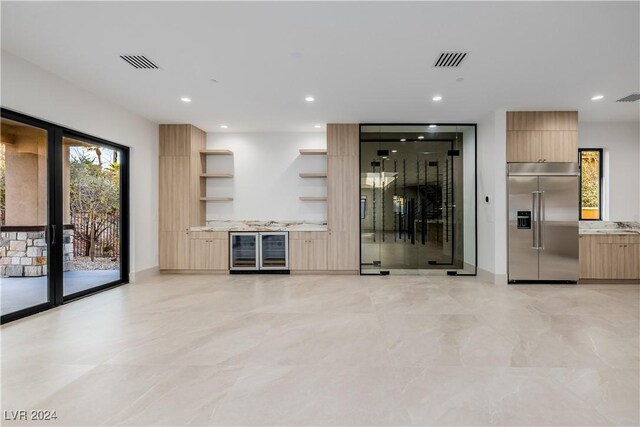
x: 630, y: 98
x: 450, y: 59
x: 139, y: 62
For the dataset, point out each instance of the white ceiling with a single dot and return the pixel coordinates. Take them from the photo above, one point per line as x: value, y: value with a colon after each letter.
x: 363, y: 62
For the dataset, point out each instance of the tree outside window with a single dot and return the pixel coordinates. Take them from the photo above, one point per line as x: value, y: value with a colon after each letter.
x: 591, y: 184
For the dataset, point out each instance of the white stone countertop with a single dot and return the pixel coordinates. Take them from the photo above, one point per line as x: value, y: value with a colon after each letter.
x: 251, y: 225
x: 609, y: 227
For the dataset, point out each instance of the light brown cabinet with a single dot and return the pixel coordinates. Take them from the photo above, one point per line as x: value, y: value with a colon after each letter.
x: 613, y: 257
x: 542, y: 136
x: 209, y: 253
x: 343, y: 250
x: 343, y: 183
x: 179, y: 197
x: 174, y: 250
x: 308, y: 251
x: 174, y: 194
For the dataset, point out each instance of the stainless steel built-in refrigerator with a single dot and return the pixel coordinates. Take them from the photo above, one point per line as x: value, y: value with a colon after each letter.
x: 543, y: 222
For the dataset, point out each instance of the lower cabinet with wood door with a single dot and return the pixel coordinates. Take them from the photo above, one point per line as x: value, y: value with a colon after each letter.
x: 610, y: 256
x: 174, y: 250
x: 209, y: 250
x: 307, y: 251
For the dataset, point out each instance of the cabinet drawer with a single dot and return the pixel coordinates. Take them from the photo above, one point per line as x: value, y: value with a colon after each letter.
x: 209, y: 234
x: 619, y: 238
x: 308, y: 235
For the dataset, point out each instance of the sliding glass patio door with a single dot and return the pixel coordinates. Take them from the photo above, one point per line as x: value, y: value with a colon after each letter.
x: 25, y: 217
x: 92, y: 213
x: 63, y: 215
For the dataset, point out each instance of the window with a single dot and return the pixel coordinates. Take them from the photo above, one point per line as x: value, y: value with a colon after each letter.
x: 590, y: 184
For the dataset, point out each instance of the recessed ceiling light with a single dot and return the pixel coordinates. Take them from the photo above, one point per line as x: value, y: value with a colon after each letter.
x: 394, y: 151
x: 403, y: 139
x: 213, y: 80
x: 437, y: 98
x: 309, y: 99
x: 317, y: 126
x: 421, y: 137
x: 185, y: 99
x: 224, y: 126
x: 433, y: 126
x: 597, y: 97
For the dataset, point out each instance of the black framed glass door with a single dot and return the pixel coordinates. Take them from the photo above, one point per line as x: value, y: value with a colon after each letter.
x: 26, y: 155
x: 417, y: 199
x: 92, y: 214
x: 64, y: 224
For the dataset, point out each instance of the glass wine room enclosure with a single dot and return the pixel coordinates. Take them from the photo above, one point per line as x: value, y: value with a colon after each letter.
x: 418, y: 199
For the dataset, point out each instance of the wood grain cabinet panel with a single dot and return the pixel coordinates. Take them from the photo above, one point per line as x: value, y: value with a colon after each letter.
x: 542, y: 136
x: 308, y: 254
x: 527, y: 146
x: 174, y: 140
x: 559, y: 146
x: 343, y: 191
x: 307, y: 235
x: 542, y: 120
x: 615, y: 257
x: 343, y: 139
x: 209, y: 254
x: 174, y: 250
x: 343, y: 250
x: 174, y: 193
x: 524, y: 146
x: 209, y: 235
x: 343, y: 204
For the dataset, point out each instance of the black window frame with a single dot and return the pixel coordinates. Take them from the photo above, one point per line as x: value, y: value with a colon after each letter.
x: 55, y: 224
x: 600, y: 179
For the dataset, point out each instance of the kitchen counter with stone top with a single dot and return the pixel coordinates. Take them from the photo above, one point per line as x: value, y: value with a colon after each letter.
x: 609, y: 227
x: 250, y: 225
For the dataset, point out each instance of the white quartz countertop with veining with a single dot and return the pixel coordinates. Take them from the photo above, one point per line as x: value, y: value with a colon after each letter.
x: 609, y: 227
x: 256, y: 225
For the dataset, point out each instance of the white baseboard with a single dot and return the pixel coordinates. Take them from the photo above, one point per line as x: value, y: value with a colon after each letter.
x: 144, y: 274
x: 496, y: 279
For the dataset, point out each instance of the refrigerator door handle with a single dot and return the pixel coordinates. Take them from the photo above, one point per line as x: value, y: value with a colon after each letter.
x: 541, y: 213
x: 534, y: 220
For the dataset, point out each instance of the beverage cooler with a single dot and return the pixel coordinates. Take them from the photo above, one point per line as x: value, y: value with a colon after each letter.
x: 261, y: 252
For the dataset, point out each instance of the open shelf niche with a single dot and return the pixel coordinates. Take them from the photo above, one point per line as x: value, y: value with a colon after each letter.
x: 313, y: 152
x: 204, y: 175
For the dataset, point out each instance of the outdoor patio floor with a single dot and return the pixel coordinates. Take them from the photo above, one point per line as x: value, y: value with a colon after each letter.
x: 17, y: 293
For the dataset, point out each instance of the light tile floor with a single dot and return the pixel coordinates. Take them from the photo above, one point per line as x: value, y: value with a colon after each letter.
x: 330, y: 350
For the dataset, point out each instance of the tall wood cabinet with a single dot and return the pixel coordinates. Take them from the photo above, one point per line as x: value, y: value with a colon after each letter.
x: 180, y: 205
x: 542, y: 136
x: 343, y: 183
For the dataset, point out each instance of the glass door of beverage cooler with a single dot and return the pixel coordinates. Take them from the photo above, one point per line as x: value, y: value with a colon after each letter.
x: 274, y: 251
x: 244, y: 251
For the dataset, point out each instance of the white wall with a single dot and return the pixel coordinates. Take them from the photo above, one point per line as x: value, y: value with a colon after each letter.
x: 31, y: 90
x: 621, y: 186
x: 266, y: 184
x: 492, y: 215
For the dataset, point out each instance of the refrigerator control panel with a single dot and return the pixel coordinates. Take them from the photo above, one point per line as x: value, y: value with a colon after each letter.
x: 524, y: 220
